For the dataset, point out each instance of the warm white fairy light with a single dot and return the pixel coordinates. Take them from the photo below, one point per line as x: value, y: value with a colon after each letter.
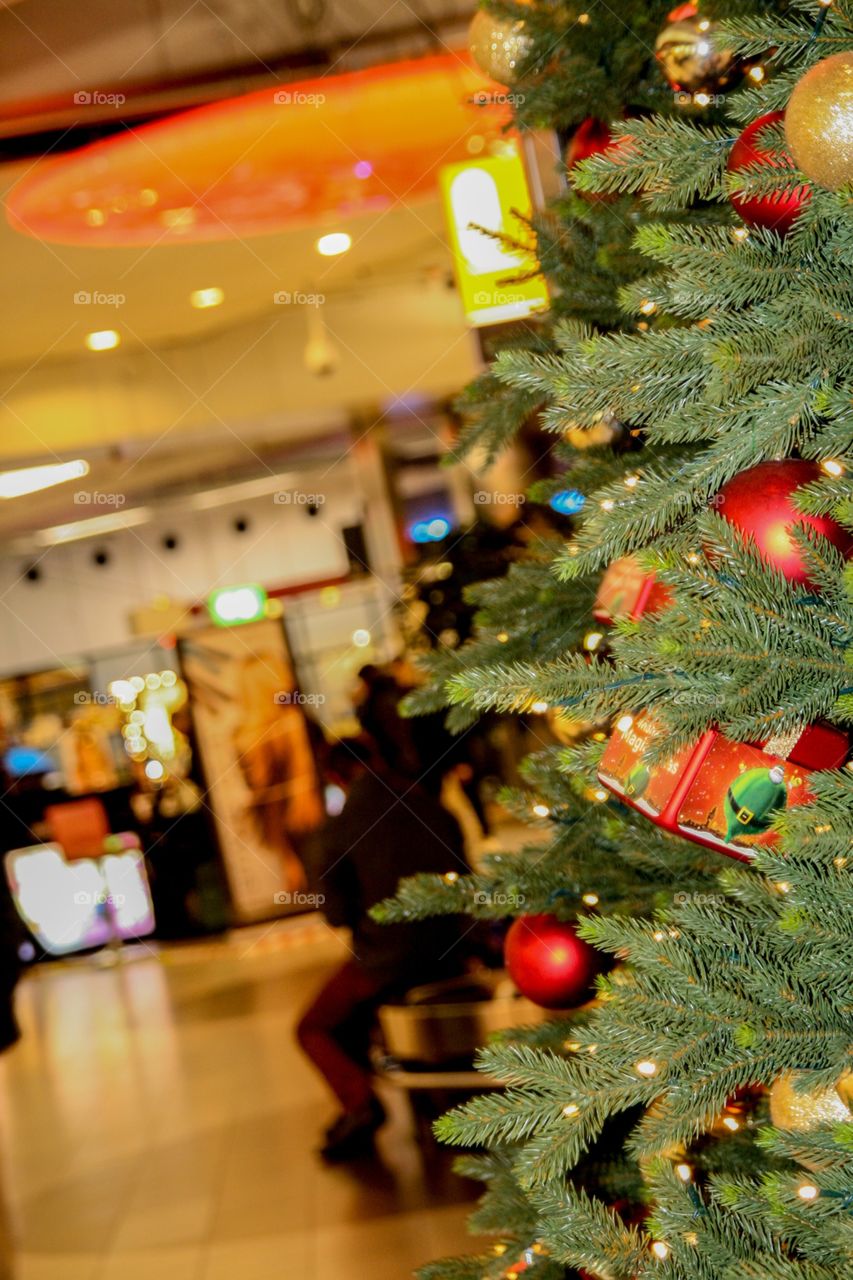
x: 591, y: 899
x: 592, y: 640
x: 658, y: 935
x: 661, y: 1250
x: 539, y: 708
x: 740, y: 233
x: 623, y: 724
x: 646, y: 1068
x: 503, y: 636
x: 608, y: 504
x: 648, y: 308
x: 684, y: 1172
x: 571, y: 1109
x: 451, y: 877
x: 600, y: 795
x: 832, y: 467
x: 631, y: 482
x: 756, y: 74
x: 808, y: 1191
x: 730, y: 1123
x: 541, y: 810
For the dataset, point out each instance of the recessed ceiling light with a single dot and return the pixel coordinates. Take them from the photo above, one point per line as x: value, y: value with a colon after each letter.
x: 103, y: 340
x: 203, y: 298
x: 14, y: 484
x: 333, y: 244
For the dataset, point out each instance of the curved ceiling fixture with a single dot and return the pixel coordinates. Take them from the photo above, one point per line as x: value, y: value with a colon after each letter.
x: 273, y: 159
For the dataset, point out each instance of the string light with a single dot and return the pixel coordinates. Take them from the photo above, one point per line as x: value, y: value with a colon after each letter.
x: 730, y: 1123
x: 808, y: 1191
x: 571, y: 1109
x: 740, y: 233
x: 684, y: 1172
x: 591, y: 899
x: 592, y: 640
x: 600, y: 795
x: 450, y: 877
x: 503, y: 636
x: 648, y: 308
x: 541, y: 810
x: 572, y: 1046
x: 539, y: 707
x: 646, y: 1068
x: 783, y: 886
x: 631, y: 482
x: 608, y: 504
x: 660, y: 1250
x: 701, y: 99
x: 756, y: 74
x: 832, y: 467
x: 659, y: 935
x: 623, y: 724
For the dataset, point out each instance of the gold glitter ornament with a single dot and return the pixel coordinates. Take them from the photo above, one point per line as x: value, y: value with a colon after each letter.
x: 688, y: 56
x: 819, y: 122
x: 804, y: 1111
x: 498, y: 45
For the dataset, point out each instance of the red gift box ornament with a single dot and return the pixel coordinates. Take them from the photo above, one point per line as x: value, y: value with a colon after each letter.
x: 716, y: 792
x: 627, y: 591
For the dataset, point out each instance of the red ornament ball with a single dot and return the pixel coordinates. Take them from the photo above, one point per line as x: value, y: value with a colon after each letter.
x: 549, y: 963
x: 774, y: 212
x: 759, y: 503
x: 591, y: 138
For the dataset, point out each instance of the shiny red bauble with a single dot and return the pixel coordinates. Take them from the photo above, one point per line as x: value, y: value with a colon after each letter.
x: 549, y: 963
x: 775, y: 212
x: 591, y: 138
x: 759, y: 503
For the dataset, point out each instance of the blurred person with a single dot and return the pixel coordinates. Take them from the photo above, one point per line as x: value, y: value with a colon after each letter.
x: 392, y: 825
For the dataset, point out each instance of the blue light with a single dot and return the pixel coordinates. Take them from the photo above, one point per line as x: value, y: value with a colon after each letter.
x: 433, y: 529
x: 568, y: 502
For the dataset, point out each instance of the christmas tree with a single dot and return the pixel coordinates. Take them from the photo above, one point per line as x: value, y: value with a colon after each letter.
x: 692, y: 1120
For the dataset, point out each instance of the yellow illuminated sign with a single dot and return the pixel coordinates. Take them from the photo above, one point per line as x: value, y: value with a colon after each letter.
x: 491, y: 193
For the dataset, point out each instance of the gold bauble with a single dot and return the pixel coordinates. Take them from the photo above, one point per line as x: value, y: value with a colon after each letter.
x: 804, y: 1111
x: 498, y: 45
x: 688, y: 56
x: 819, y: 122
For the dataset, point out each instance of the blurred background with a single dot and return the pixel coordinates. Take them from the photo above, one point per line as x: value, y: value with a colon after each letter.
x: 242, y: 291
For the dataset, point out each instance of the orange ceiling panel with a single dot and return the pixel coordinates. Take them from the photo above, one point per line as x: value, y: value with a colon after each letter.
x: 273, y: 159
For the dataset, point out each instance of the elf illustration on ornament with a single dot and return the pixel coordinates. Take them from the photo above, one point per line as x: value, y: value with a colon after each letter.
x: 752, y: 799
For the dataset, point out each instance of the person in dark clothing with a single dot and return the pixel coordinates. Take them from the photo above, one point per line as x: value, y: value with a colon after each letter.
x: 390, y: 827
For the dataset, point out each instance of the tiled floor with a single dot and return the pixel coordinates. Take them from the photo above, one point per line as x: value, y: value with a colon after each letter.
x: 157, y: 1121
